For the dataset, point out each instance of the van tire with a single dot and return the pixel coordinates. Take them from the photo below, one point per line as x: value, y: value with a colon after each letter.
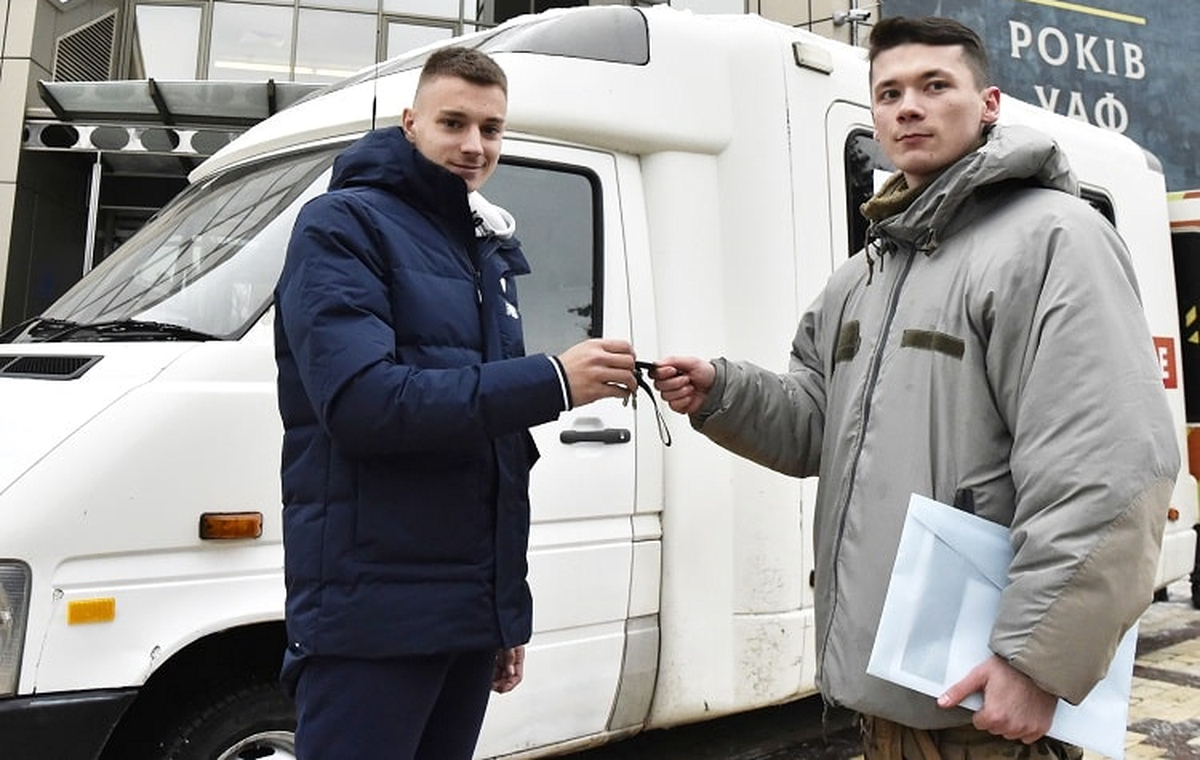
x: 246, y: 720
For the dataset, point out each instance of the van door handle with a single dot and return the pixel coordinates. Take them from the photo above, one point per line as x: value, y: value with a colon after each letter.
x: 607, y: 435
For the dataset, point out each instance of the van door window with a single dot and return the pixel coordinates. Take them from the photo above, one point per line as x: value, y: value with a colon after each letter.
x: 557, y: 211
x: 1100, y: 202
x: 866, y: 169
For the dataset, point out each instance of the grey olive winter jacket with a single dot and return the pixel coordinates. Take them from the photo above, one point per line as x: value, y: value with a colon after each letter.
x: 988, y: 350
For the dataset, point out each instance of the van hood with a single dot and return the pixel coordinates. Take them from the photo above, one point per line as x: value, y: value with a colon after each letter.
x: 49, y: 391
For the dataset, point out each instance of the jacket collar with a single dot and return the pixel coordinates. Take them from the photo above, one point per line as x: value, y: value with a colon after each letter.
x: 1010, y: 153
x: 384, y: 159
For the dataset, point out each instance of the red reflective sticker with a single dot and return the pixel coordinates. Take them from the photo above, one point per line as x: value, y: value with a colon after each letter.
x: 1165, y: 348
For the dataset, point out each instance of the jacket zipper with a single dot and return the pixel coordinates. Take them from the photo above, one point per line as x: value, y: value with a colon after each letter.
x: 868, y: 394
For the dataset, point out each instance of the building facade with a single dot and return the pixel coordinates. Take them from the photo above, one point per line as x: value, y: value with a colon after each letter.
x: 1124, y: 65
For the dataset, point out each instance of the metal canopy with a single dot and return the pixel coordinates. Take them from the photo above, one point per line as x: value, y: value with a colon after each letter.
x: 178, y: 103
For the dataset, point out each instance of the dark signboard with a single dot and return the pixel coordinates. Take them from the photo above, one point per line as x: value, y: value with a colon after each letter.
x: 1126, y: 65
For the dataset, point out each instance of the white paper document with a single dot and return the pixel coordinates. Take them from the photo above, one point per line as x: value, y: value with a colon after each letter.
x: 941, y: 602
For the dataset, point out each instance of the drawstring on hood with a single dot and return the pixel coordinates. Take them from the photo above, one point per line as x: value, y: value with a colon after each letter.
x: 894, y: 196
x: 877, y: 246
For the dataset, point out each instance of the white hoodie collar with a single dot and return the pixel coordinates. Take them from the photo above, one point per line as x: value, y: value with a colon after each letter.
x: 490, y: 219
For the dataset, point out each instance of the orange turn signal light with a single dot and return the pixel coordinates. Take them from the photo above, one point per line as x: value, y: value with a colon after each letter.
x: 1172, y: 514
x: 101, y: 610
x: 226, y: 525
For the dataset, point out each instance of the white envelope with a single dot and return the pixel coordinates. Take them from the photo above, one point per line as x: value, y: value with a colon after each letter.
x: 942, y: 599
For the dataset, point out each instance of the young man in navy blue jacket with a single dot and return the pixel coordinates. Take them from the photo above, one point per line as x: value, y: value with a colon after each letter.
x: 406, y: 398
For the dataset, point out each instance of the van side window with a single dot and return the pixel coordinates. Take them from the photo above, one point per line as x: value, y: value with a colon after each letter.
x: 866, y: 169
x: 557, y: 209
x: 1100, y: 202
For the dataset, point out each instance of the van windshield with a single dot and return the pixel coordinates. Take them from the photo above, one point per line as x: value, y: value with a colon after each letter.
x: 204, y: 267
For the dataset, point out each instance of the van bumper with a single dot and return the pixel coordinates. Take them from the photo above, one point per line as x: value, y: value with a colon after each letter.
x: 65, y: 726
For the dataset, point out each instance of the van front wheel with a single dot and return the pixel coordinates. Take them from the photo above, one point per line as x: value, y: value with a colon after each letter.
x: 253, y: 720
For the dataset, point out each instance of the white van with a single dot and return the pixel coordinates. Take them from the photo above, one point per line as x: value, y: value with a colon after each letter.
x: 682, y: 181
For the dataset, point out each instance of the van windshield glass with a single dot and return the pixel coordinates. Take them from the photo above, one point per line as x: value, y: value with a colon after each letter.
x: 208, y: 262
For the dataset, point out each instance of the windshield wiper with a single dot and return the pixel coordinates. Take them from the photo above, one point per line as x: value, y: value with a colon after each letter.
x: 35, y: 329
x: 57, y: 330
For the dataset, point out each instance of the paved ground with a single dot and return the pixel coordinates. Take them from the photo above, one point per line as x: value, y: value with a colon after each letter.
x: 1164, y: 710
x: 1164, y: 707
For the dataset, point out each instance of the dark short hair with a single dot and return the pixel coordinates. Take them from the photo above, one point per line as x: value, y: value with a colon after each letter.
x: 931, y: 30
x: 465, y: 63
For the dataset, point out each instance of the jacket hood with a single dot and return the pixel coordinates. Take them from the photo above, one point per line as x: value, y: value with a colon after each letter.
x: 385, y: 160
x: 1010, y: 153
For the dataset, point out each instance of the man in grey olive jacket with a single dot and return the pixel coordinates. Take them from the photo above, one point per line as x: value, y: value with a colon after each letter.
x: 987, y: 349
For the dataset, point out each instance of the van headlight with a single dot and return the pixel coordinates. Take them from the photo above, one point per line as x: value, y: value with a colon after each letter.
x: 14, y: 598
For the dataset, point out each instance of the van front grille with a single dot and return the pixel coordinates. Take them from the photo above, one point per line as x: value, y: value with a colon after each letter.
x: 42, y: 367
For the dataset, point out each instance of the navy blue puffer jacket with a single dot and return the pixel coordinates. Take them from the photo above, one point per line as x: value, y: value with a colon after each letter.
x: 406, y: 398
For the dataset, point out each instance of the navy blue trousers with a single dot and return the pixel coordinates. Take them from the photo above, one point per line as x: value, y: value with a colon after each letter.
x: 406, y: 708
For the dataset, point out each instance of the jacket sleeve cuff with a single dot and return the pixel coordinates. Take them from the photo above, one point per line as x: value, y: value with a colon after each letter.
x: 712, y: 404
x: 564, y: 386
